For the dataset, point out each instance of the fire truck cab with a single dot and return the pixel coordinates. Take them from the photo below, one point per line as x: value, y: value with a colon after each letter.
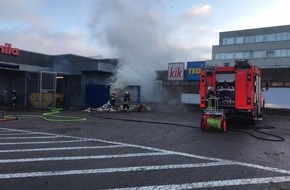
x: 238, y: 90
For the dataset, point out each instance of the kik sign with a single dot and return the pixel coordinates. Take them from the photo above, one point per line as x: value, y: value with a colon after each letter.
x: 8, y: 50
x: 176, y: 71
x: 193, y: 70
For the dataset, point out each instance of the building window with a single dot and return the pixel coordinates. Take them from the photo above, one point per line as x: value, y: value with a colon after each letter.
x: 270, y: 53
x: 270, y: 37
x: 240, y: 40
x: 239, y: 55
x: 217, y: 56
x: 249, y: 39
x: 281, y: 36
x: 223, y: 55
x: 284, y: 53
x: 247, y: 55
x: 224, y: 41
x: 258, y: 54
x: 259, y: 38
x: 229, y: 56
x: 278, y: 53
x: 230, y: 41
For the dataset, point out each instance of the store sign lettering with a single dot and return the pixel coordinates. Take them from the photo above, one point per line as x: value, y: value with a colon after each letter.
x: 8, y: 50
x: 176, y: 71
x: 193, y: 70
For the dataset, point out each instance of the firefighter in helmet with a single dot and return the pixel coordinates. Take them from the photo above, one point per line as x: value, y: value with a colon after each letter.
x: 211, y: 97
x: 14, y: 98
x: 113, y: 100
x: 127, y: 101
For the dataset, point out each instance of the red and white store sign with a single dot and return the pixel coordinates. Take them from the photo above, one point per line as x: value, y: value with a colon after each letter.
x: 8, y: 50
x: 176, y: 71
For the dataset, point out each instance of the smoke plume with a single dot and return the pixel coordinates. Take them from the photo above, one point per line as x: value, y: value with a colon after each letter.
x: 138, y: 34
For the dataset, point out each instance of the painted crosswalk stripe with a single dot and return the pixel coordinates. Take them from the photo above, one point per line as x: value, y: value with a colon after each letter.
x: 61, y: 148
x: 81, y: 157
x: 111, y: 170
x: 209, y: 184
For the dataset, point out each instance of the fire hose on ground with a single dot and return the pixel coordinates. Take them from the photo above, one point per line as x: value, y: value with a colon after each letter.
x: 48, y: 116
x: 274, y: 138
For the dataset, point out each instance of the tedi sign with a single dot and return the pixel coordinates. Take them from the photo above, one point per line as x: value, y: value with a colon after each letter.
x: 8, y: 50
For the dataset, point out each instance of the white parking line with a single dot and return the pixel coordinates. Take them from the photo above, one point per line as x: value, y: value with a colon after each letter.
x: 16, y: 134
x: 112, y: 170
x: 81, y: 157
x: 61, y: 148
x: 219, y: 183
x: 42, y: 142
x: 208, y: 184
x: 43, y: 137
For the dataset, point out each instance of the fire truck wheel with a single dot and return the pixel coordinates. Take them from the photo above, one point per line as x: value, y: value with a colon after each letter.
x: 224, y: 125
x: 203, y: 126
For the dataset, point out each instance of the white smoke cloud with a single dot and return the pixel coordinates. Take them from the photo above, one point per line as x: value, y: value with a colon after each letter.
x: 142, y: 37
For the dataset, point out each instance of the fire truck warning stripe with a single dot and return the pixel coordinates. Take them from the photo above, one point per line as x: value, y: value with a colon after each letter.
x: 111, y: 170
x: 208, y: 184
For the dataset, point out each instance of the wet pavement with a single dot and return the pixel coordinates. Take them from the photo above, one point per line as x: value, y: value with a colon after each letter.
x: 151, y: 150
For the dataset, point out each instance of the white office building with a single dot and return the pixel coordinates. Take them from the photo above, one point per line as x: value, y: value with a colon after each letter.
x: 264, y: 47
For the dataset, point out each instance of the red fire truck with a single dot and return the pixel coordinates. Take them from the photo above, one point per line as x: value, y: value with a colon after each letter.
x: 230, y: 92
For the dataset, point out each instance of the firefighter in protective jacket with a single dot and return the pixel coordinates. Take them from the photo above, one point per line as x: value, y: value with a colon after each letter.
x: 113, y: 100
x: 14, y: 98
x: 127, y: 101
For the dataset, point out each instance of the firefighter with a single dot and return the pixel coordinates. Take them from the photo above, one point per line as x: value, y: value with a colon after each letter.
x: 14, y: 98
x: 211, y: 97
x: 113, y: 100
x: 210, y: 92
x: 127, y: 101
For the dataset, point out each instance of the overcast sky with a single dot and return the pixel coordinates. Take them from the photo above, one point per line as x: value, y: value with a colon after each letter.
x: 164, y: 30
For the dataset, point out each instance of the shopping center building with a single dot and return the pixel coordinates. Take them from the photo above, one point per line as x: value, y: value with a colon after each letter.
x: 267, y: 48
x: 75, y: 81
x: 53, y: 80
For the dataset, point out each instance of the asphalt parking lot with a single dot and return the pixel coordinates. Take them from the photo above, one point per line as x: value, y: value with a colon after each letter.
x: 152, y: 150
